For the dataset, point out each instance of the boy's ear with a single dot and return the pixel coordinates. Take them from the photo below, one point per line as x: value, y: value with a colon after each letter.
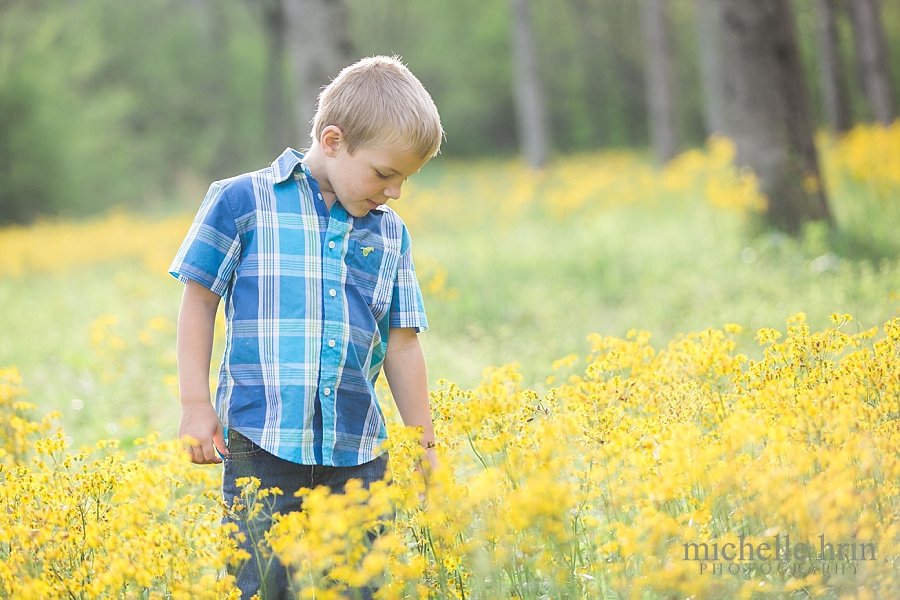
x: 330, y: 140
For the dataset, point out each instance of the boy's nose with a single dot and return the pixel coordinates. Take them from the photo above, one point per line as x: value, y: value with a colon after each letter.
x: 392, y: 192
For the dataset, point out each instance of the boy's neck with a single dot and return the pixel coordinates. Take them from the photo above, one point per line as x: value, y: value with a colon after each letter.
x: 316, y: 160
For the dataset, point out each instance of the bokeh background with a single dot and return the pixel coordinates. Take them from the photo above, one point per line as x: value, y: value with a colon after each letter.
x: 587, y: 183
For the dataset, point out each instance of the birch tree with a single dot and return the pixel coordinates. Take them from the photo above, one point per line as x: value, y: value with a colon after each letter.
x: 318, y: 47
x: 872, y: 58
x: 658, y: 68
x: 832, y: 80
x: 278, y: 117
x: 707, y: 23
x: 527, y: 90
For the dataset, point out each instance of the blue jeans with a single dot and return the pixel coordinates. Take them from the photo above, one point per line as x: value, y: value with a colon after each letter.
x: 246, y: 459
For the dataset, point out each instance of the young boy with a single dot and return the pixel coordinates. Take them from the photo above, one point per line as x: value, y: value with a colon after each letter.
x: 320, y: 293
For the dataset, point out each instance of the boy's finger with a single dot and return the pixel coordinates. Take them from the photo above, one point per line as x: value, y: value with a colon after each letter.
x: 197, y: 455
x: 209, y: 453
x: 219, y: 443
x: 190, y: 446
x: 202, y: 454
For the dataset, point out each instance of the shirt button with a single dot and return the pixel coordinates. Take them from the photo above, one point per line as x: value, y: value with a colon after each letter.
x: 332, y: 292
x: 320, y: 196
x: 331, y: 245
x: 331, y: 343
x: 327, y: 391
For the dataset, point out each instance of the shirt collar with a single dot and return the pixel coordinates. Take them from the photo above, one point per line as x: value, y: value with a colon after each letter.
x: 285, y: 165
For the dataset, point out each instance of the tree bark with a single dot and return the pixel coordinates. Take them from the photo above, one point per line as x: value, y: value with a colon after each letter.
x: 278, y: 118
x: 319, y: 46
x: 658, y: 68
x: 593, y: 69
x: 872, y: 56
x: 835, y: 98
x: 708, y: 25
x: 527, y: 89
x: 767, y: 110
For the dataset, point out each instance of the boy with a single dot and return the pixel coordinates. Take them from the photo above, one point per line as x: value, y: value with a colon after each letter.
x: 320, y: 292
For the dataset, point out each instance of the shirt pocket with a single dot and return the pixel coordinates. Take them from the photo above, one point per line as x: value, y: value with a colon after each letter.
x: 371, y: 270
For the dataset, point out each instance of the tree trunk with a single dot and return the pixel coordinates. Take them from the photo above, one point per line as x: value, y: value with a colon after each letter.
x: 708, y: 26
x: 835, y: 100
x: 593, y: 69
x: 527, y: 90
x: 278, y: 123
x: 767, y: 109
x: 872, y: 56
x: 212, y: 38
x: 319, y: 47
x: 658, y: 68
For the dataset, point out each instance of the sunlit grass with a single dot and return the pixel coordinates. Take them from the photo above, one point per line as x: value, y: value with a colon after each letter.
x: 515, y: 267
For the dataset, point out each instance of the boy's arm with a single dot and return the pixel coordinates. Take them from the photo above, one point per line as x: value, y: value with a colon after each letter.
x: 404, y: 367
x: 196, y: 323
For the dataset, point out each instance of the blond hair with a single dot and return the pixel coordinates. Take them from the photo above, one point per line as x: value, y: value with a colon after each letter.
x: 377, y: 101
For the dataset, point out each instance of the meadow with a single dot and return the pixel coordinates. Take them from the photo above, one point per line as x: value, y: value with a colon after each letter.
x: 622, y: 361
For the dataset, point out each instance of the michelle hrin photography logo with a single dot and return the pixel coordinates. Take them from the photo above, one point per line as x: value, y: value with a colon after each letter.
x: 779, y: 556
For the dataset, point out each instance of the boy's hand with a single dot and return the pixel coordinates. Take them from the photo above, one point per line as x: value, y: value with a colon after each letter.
x: 201, y: 424
x: 427, y: 466
x: 433, y: 463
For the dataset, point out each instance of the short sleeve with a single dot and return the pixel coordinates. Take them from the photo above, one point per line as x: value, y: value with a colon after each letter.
x: 407, y: 306
x: 210, y: 251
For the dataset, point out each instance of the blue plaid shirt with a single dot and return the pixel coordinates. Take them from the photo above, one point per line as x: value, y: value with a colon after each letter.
x: 310, y: 296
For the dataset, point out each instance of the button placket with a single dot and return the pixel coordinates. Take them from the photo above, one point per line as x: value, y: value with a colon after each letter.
x: 334, y: 319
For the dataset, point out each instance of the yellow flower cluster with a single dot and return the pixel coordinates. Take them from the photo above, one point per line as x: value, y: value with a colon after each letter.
x: 59, y: 246
x: 609, y: 484
x: 586, y: 183
x: 712, y: 169
x: 631, y: 480
x: 16, y: 427
x: 93, y: 524
x: 868, y: 153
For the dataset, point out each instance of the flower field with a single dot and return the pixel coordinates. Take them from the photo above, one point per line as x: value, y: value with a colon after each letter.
x: 607, y: 453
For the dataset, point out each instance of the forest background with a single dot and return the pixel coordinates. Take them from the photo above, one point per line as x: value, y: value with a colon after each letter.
x: 139, y: 104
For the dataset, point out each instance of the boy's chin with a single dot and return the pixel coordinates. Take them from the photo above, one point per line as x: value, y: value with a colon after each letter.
x: 361, y: 209
x: 355, y: 210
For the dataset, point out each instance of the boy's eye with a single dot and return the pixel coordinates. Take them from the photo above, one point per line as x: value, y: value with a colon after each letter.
x: 382, y: 175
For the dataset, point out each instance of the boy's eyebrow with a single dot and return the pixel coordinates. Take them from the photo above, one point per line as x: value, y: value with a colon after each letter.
x: 389, y: 170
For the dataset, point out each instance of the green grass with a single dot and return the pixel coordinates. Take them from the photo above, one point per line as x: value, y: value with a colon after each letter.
x: 530, y: 288
x: 46, y: 331
x: 532, y: 292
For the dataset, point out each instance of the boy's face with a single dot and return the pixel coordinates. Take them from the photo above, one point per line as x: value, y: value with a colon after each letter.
x: 370, y: 177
